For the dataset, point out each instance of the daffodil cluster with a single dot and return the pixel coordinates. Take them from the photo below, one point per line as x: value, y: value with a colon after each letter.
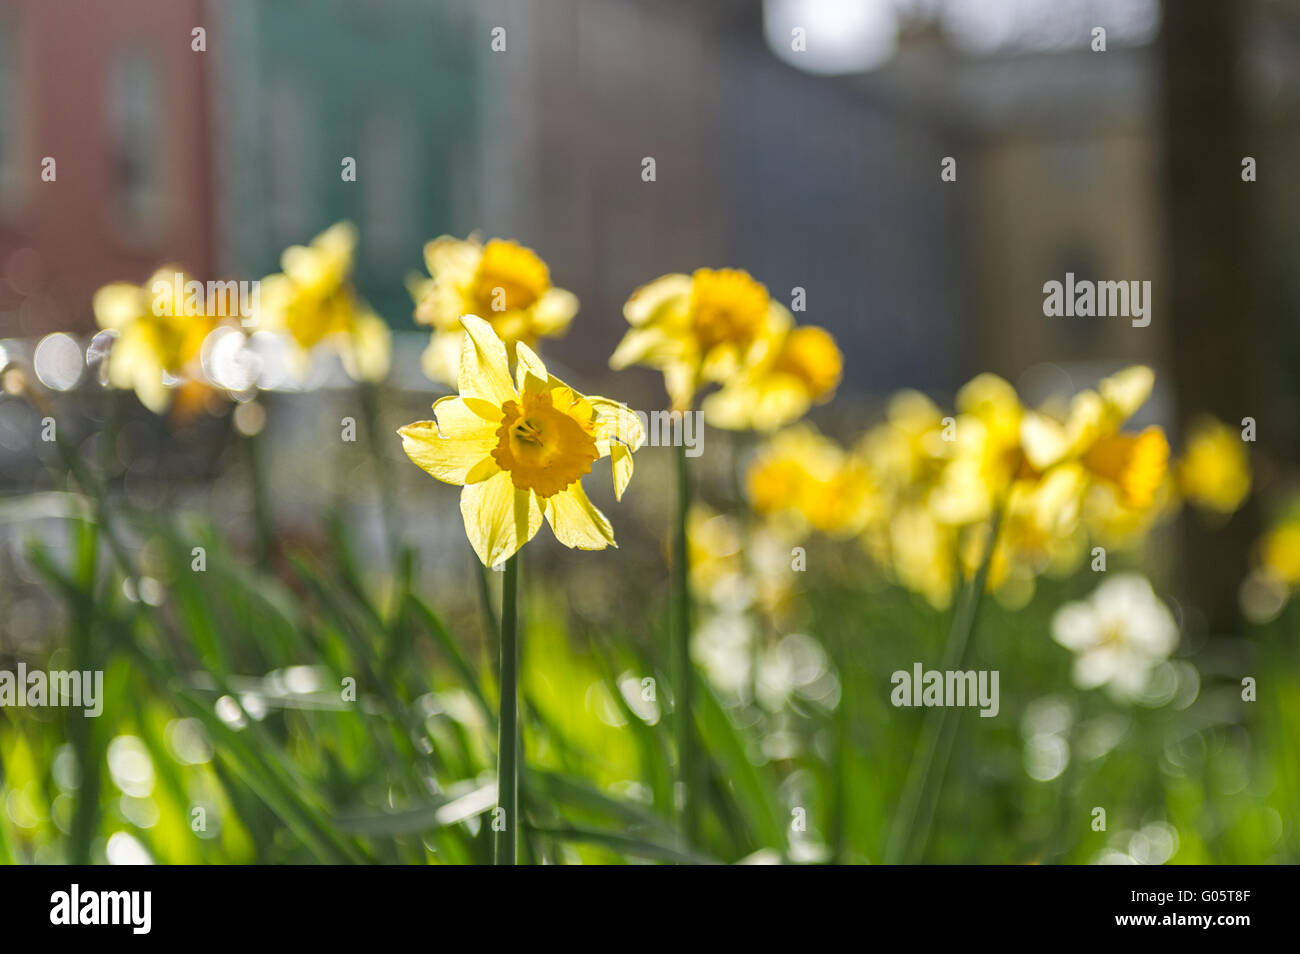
x: 921, y: 489
x: 159, y: 329
x: 720, y: 326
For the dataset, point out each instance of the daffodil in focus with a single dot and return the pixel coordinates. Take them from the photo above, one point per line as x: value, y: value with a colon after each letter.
x: 160, y: 328
x: 799, y: 369
x: 502, y: 281
x: 313, y: 303
x: 705, y: 327
x: 1214, y: 473
x: 520, y: 448
x: 1118, y: 635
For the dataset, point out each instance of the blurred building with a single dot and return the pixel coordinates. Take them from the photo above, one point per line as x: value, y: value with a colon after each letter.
x: 303, y: 85
x: 114, y: 95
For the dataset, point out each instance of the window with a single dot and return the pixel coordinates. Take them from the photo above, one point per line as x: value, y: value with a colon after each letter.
x: 17, y: 167
x: 387, y: 152
x: 135, y: 142
x: 292, y: 155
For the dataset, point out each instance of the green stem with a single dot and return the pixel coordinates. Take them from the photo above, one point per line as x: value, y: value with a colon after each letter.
x: 261, y: 503
x: 680, y: 655
x: 925, y: 779
x: 506, y: 843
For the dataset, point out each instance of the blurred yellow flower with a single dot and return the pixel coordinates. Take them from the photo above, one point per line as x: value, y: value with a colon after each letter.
x: 922, y: 554
x: 1056, y: 477
x: 1090, y: 434
x: 800, y: 369
x: 502, y: 281
x: 312, y: 302
x: 521, y: 447
x: 714, y: 551
x: 802, y: 476
x: 983, y: 452
x: 907, y: 452
x: 705, y: 327
x: 160, y: 333
x: 1280, y: 552
x: 1214, y: 474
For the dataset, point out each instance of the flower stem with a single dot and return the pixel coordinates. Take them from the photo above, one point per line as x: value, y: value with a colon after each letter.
x: 506, y: 842
x: 925, y: 778
x: 263, y: 541
x: 680, y: 654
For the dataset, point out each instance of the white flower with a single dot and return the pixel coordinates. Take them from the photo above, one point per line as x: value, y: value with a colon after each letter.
x: 1118, y: 635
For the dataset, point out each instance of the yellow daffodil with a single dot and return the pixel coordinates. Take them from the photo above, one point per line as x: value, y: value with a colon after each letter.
x: 734, y: 567
x: 920, y: 552
x: 1136, y: 464
x: 705, y: 327
x: 312, y: 302
x: 800, y: 369
x: 1214, y: 474
x: 714, y: 551
x: 802, y: 475
x: 907, y: 452
x: 507, y: 284
x: 1056, y: 476
x: 160, y: 332
x: 521, y: 447
x: 983, y: 452
x: 1280, y: 552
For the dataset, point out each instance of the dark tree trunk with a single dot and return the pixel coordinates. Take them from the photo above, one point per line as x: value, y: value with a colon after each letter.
x: 1210, y: 300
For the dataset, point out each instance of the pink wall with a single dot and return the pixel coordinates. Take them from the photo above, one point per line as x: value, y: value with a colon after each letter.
x: 65, y: 54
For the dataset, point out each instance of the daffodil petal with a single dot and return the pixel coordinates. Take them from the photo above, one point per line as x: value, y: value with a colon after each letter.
x: 484, y: 372
x: 554, y: 311
x: 367, y: 349
x: 448, y: 459
x: 451, y: 259
x: 644, y: 346
x: 576, y: 521
x: 499, y: 517
x: 441, y: 359
x: 621, y: 422
x: 1043, y: 439
x: 648, y: 301
x: 118, y: 304
x: 460, y: 419
x: 1128, y: 390
x: 620, y: 459
x: 527, y: 362
x: 679, y: 381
